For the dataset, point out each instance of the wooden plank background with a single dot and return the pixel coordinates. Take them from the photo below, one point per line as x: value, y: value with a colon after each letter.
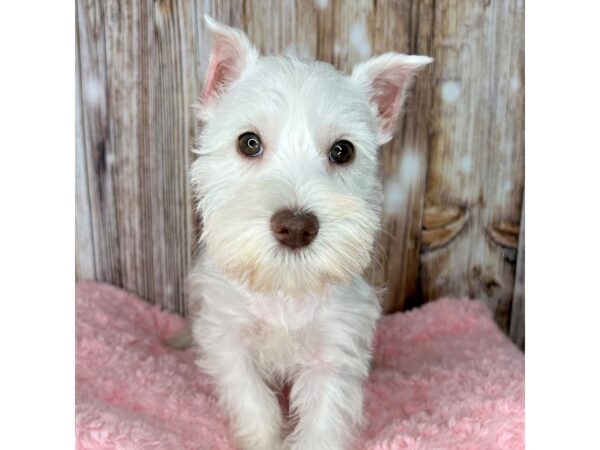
x: 454, y: 174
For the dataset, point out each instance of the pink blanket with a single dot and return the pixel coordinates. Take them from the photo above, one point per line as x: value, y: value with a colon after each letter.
x: 444, y: 377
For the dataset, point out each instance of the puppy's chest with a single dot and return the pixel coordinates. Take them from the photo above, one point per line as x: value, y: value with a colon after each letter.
x: 280, y: 345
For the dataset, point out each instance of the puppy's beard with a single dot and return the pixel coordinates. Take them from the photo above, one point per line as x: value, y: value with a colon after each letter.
x: 293, y: 272
x: 239, y: 240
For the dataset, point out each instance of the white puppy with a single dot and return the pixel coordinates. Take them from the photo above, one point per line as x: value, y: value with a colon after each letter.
x: 289, y: 195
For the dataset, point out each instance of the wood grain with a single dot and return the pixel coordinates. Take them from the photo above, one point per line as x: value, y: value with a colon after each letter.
x: 94, y: 146
x: 138, y: 64
x: 477, y: 151
x: 404, y: 160
x: 459, y: 146
x: 85, y: 264
x: 517, y: 316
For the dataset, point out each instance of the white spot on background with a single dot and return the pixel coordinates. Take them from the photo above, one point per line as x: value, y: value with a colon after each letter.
x: 409, y: 167
x: 322, y: 4
x: 507, y: 186
x: 396, y: 190
x: 291, y: 50
x: 93, y: 92
x: 396, y: 195
x: 305, y: 53
x: 450, y: 91
x: 466, y: 164
x: 515, y: 83
x: 359, y: 40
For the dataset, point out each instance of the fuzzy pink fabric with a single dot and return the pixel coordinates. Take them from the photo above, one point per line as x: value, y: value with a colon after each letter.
x: 444, y: 377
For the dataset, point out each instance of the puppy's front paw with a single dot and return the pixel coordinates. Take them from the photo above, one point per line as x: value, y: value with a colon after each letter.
x: 259, y: 441
x: 319, y: 441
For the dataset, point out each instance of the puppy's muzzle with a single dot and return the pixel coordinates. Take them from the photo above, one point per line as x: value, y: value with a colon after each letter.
x: 294, y: 229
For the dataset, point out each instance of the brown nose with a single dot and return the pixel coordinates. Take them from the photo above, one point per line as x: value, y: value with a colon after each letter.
x: 294, y: 229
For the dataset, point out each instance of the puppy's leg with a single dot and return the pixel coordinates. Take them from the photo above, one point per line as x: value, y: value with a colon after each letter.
x: 184, y: 338
x: 328, y: 405
x: 252, y: 406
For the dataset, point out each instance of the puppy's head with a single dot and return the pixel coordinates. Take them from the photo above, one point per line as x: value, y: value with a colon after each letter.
x: 287, y: 174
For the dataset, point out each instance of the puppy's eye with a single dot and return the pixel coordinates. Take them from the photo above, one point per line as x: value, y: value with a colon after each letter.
x: 250, y: 145
x: 342, y: 152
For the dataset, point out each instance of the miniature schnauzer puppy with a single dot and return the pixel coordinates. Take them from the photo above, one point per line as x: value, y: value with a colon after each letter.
x: 290, y: 200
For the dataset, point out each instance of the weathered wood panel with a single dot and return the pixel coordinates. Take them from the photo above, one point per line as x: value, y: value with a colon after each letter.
x: 138, y: 77
x: 405, y: 29
x: 453, y: 174
x: 477, y: 150
x: 85, y: 266
x: 517, y: 316
x: 94, y: 144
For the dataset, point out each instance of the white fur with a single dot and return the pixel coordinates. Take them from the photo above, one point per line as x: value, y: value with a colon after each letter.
x: 269, y: 315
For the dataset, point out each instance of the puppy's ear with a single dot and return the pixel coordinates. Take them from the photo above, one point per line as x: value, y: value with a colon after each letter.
x: 386, y: 78
x: 231, y: 54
